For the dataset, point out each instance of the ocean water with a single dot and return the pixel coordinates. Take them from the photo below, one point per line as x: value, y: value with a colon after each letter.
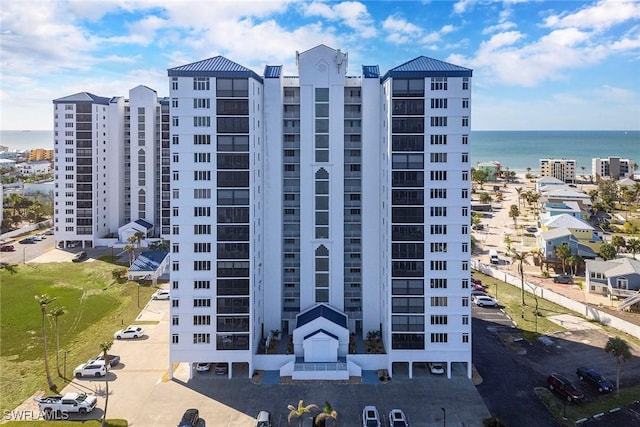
x: 517, y: 150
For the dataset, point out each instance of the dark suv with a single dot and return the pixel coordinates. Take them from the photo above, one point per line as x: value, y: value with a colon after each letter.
x: 190, y: 418
x: 564, y: 388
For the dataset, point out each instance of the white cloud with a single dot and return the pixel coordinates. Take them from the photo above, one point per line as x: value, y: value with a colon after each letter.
x: 602, y: 15
x: 353, y: 14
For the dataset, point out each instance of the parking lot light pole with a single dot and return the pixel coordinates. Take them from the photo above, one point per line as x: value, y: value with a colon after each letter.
x: 444, y: 412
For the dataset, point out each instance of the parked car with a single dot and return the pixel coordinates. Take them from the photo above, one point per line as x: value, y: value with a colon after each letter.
x: 90, y: 369
x: 203, y: 367
x: 397, y: 418
x: 263, y: 419
x: 129, y: 332
x: 564, y: 388
x: 7, y: 248
x: 27, y: 241
x: 221, y: 369
x: 478, y: 294
x: 476, y: 281
x: 49, y: 232
x: 161, y: 294
x: 482, y: 301
x: 113, y: 359
x: 190, y: 418
x: 531, y: 229
x: 477, y: 287
x: 436, y: 368
x: 563, y: 278
x: 370, y: 417
x: 79, y: 257
x: 594, y: 378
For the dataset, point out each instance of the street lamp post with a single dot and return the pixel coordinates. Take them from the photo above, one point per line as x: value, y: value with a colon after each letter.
x: 138, y: 295
x: 444, y: 412
x: 65, y: 364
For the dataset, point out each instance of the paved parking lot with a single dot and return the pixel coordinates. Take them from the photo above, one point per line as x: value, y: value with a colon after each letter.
x: 140, y: 393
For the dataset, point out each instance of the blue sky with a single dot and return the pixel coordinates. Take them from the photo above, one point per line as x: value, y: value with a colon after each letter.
x: 538, y: 65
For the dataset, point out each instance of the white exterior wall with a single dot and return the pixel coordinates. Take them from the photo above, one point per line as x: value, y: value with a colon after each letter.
x: 272, y: 188
x: 115, y: 168
x: 374, y: 285
x: 143, y: 97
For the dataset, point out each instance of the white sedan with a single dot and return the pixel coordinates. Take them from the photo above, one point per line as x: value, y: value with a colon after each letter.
x: 161, y: 294
x: 129, y: 332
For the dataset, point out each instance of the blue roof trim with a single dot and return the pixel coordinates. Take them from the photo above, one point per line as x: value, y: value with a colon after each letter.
x: 322, y: 310
x: 145, y: 224
x: 423, y: 66
x: 370, y: 71
x: 321, y: 331
x: 81, y: 98
x: 272, y: 71
x: 218, y: 66
x: 148, y: 261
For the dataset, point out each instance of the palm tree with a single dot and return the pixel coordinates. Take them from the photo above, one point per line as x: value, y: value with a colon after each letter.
x: 54, y: 314
x: 633, y: 246
x: 130, y: 248
x: 620, y: 350
x: 514, y: 213
x: 299, y: 411
x: 105, y: 346
x: 139, y: 235
x: 519, y: 191
x: 607, y: 251
x: 563, y: 252
x: 43, y: 300
x: 328, y: 413
x: 521, y: 257
x: 618, y: 242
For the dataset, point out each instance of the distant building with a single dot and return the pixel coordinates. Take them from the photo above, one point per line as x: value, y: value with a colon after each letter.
x: 34, y: 168
x: 40, y: 154
x: 562, y: 169
x: 611, y: 168
x: 619, y: 277
x: 107, y: 178
x: 492, y: 169
x: 548, y: 183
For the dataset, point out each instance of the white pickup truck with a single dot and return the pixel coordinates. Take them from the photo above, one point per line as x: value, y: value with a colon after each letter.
x: 70, y: 402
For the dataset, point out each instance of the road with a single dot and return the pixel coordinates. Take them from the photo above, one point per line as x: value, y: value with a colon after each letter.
x: 24, y: 253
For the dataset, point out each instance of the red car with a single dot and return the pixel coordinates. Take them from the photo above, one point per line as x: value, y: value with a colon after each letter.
x: 476, y: 281
x: 6, y: 248
x: 476, y: 287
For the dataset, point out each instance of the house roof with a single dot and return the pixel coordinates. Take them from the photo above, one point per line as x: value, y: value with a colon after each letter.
x: 82, y: 97
x: 567, y: 221
x: 568, y: 205
x: 218, y: 66
x: 272, y: 71
x: 423, y: 66
x: 149, y: 261
x: 614, y: 267
x: 370, y: 71
x: 145, y: 224
x: 626, y: 182
x: 549, y: 180
x: 555, y: 233
x: 322, y: 310
x: 321, y: 331
x: 564, y: 192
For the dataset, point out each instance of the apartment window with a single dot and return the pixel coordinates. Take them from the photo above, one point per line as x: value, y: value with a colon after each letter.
x: 437, y: 175
x: 176, y: 175
x: 465, y: 139
x: 175, y: 193
x: 438, y: 157
x: 201, y: 338
x: 465, y: 301
x: 465, y: 229
x: 465, y: 338
x: 465, y: 283
x: 465, y: 121
x: 175, y: 139
x: 175, y: 157
x: 201, y: 284
x: 438, y: 83
x: 202, y: 229
x: 201, y: 247
x: 174, y: 337
x: 202, y: 211
x: 439, y: 121
x: 465, y: 320
x: 202, y: 121
x: 202, y: 175
x: 437, y: 283
x: 465, y: 102
x: 438, y: 301
x: 438, y: 265
x: 175, y: 121
x: 465, y: 83
x: 202, y: 139
x: 464, y: 193
x: 465, y: 211
x: 174, y: 86
x: 202, y: 157
x: 174, y: 102
x: 175, y: 266
x: 176, y: 230
x: 439, y: 338
x: 202, y: 319
x: 438, y: 102
x: 465, y: 247
x: 438, y: 211
x: 201, y: 193
x: 438, y: 229
x: 438, y: 247
x: 175, y: 303
x: 465, y: 157
x: 201, y: 103
x: 175, y: 320
x: 465, y: 265
x: 465, y: 175
x: 201, y: 83
x: 202, y: 302
x: 439, y: 319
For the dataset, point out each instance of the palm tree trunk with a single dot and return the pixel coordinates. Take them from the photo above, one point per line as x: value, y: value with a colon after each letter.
x: 57, y: 348
x: 44, y: 343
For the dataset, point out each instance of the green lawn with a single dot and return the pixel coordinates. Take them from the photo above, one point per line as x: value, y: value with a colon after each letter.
x: 96, y: 306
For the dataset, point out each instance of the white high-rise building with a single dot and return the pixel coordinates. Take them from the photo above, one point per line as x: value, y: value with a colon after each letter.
x: 320, y: 209
x: 111, y: 158
x: 562, y: 169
